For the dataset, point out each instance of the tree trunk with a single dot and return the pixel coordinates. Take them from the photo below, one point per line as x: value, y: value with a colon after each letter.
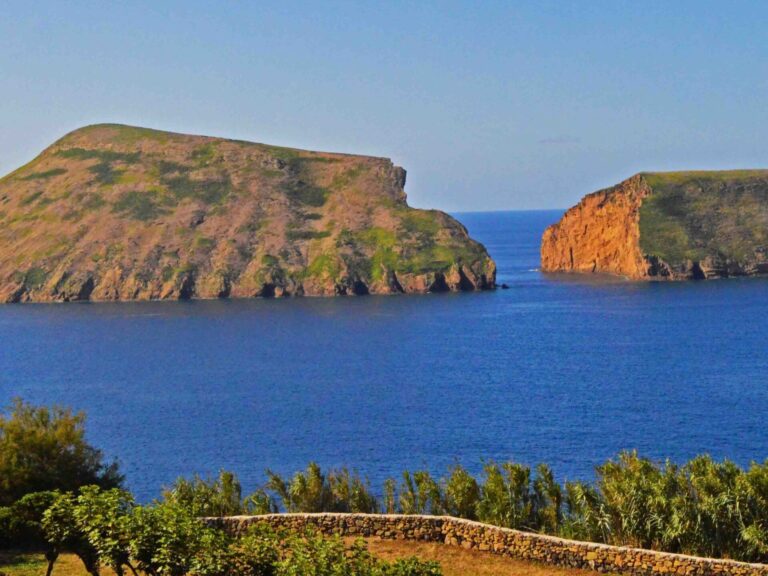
x: 51, y: 555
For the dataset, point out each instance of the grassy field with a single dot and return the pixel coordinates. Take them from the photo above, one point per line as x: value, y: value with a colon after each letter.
x: 692, y: 215
x: 454, y: 560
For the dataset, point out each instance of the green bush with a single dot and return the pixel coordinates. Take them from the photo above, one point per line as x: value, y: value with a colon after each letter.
x: 703, y: 507
x: 166, y: 539
x: 63, y: 532
x: 21, y: 522
x: 45, y: 449
x: 420, y: 494
x: 313, y: 491
x: 256, y: 553
x: 310, y: 554
x: 219, y: 497
x: 104, y: 527
x: 462, y: 493
x: 103, y: 517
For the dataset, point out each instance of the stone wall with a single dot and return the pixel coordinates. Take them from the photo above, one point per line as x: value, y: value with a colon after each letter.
x: 501, y: 541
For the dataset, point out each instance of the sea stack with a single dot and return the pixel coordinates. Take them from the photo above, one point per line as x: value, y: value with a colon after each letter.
x: 113, y: 212
x: 666, y: 225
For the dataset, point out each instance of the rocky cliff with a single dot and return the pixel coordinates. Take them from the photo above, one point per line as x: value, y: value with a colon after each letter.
x: 113, y: 212
x: 672, y: 225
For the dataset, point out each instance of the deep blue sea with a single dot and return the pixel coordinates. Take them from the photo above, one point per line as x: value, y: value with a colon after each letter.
x: 562, y: 370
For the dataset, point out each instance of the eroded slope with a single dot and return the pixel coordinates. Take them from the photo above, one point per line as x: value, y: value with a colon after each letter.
x: 113, y: 212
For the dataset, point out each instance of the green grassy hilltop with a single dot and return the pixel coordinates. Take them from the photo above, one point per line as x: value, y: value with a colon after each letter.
x: 722, y: 216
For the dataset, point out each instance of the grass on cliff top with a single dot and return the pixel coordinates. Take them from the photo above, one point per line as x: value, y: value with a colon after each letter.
x: 412, y: 250
x: 683, y: 177
x: 692, y: 215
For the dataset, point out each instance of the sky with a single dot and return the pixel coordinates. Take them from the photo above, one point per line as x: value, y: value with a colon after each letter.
x: 488, y: 105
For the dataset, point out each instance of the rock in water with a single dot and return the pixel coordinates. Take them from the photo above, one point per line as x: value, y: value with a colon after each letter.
x: 113, y: 212
x: 671, y: 225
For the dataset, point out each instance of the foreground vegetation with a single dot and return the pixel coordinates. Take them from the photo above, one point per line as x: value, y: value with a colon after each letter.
x: 454, y: 561
x: 703, y: 507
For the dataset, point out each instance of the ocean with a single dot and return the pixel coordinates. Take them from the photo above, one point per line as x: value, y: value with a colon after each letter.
x: 565, y: 370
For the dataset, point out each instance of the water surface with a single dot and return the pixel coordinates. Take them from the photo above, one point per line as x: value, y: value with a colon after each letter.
x: 558, y: 369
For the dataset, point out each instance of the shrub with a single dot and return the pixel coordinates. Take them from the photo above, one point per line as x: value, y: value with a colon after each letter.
x: 585, y: 517
x: 45, y: 449
x: 103, y: 517
x: 63, y: 532
x: 420, y: 494
x: 313, y: 491
x: 219, y: 497
x: 506, y: 496
x: 21, y: 522
x: 256, y: 553
x: 462, y: 493
x: 166, y: 539
x: 548, y: 500
x: 307, y: 194
x: 34, y: 278
x: 312, y: 555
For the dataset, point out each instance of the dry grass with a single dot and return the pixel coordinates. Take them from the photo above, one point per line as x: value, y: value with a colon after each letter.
x: 454, y: 560
x: 457, y: 561
x: 28, y: 564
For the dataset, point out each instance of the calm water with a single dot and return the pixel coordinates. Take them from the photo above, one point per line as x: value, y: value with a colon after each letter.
x: 558, y: 370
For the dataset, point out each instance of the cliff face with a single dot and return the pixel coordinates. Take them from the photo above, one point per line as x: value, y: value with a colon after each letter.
x: 114, y: 212
x: 675, y: 225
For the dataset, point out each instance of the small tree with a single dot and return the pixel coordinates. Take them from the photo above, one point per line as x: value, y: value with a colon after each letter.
x: 63, y: 533
x: 166, y: 539
x: 103, y: 517
x: 21, y: 525
x: 45, y: 449
x: 462, y: 493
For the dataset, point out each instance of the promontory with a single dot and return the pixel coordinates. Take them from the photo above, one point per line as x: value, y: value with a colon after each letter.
x: 112, y: 212
x: 666, y: 225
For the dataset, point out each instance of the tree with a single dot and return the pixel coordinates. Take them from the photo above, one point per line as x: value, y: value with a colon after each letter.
x: 21, y: 525
x: 63, y: 532
x: 166, y: 539
x: 103, y: 517
x: 44, y: 449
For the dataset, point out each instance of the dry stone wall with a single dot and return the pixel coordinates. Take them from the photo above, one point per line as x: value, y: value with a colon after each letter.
x: 502, y: 541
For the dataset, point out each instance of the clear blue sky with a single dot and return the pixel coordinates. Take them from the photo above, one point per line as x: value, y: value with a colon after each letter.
x: 509, y: 105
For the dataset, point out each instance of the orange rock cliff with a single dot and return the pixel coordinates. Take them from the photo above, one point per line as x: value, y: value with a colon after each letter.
x: 674, y: 225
